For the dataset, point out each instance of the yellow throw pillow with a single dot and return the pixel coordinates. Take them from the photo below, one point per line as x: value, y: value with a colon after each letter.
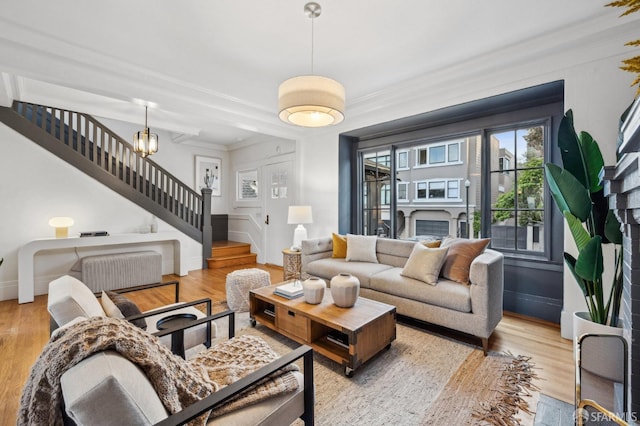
x: 432, y: 244
x: 339, y: 246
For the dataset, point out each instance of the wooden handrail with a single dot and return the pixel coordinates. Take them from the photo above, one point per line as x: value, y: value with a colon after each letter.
x: 94, y: 148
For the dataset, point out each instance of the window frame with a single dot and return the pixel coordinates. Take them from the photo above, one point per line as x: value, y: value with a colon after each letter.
x: 547, y: 124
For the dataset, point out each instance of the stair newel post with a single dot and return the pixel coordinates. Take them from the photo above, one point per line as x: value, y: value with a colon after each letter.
x: 207, y: 230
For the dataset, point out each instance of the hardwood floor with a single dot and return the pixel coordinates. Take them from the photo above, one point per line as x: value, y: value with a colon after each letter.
x: 24, y: 330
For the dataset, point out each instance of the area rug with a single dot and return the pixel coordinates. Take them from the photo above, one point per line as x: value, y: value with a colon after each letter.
x: 553, y: 412
x: 423, y: 379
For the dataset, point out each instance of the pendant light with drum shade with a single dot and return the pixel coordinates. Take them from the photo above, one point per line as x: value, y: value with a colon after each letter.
x: 145, y: 143
x: 311, y: 100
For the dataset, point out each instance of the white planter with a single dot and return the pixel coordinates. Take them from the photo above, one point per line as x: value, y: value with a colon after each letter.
x: 601, y: 360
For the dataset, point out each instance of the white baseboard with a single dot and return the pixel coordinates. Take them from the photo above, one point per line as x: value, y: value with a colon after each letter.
x: 9, y: 290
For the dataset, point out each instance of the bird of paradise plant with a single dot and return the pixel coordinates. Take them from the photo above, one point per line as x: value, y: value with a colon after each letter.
x: 579, y: 194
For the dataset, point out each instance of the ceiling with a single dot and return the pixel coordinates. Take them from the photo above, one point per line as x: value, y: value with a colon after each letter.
x: 210, y: 70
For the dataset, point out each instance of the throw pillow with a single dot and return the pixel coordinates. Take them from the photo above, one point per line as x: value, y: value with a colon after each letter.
x: 126, y: 307
x: 432, y: 244
x: 361, y: 248
x: 109, y: 307
x: 339, y: 246
x: 461, y: 253
x: 424, y: 263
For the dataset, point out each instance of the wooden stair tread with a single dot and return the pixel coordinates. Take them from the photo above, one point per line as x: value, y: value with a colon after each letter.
x: 230, y: 253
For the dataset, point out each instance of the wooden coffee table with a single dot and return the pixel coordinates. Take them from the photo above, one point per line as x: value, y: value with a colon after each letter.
x: 368, y: 326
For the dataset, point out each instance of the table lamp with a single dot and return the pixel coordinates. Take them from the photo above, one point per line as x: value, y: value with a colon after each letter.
x: 299, y: 215
x: 62, y: 225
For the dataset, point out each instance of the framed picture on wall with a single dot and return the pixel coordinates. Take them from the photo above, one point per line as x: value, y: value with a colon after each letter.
x: 247, y: 185
x: 208, y: 174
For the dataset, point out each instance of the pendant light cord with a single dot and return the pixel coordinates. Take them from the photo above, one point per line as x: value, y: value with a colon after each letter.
x: 312, y: 38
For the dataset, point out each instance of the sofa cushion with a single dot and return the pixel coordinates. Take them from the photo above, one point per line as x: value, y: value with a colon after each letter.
x: 394, y: 252
x: 69, y: 298
x: 339, y: 246
x: 328, y: 268
x: 125, y: 306
x: 107, y: 389
x: 361, y: 248
x: 447, y: 294
x: 461, y: 253
x: 424, y: 263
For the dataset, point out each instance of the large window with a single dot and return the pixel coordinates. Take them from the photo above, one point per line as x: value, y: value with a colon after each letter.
x: 517, y: 188
x: 375, y: 172
x: 472, y: 169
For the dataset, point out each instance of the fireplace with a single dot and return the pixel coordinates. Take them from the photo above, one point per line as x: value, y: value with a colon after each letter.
x: 622, y: 183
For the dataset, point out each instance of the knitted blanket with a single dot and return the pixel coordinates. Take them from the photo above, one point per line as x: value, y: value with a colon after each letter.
x: 177, y: 382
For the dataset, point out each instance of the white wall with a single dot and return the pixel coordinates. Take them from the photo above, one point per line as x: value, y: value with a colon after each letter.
x: 36, y: 185
x: 595, y: 88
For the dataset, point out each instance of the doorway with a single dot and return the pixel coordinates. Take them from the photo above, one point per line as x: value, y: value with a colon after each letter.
x: 279, y: 195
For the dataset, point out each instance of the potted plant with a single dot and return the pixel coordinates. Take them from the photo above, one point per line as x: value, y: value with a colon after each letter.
x: 578, y: 192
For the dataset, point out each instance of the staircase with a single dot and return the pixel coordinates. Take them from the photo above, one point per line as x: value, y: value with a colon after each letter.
x: 229, y: 253
x: 85, y: 143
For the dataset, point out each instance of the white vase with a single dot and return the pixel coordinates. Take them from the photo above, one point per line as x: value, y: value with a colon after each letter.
x: 154, y: 224
x: 313, y: 289
x: 600, y: 363
x: 345, y: 289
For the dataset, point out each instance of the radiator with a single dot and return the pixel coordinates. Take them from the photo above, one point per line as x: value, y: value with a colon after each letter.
x: 119, y: 270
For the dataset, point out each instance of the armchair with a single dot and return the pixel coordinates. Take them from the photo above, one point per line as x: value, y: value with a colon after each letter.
x: 70, y: 298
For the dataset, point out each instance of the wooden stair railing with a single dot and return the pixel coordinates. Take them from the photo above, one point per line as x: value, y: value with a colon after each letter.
x: 90, y: 146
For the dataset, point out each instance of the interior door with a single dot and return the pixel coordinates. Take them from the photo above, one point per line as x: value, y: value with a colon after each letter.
x: 279, y: 187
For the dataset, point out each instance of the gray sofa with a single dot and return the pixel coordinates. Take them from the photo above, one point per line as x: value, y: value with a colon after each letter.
x: 474, y: 309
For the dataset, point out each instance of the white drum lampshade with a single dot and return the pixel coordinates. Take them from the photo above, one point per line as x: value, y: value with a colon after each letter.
x: 299, y: 215
x: 61, y: 224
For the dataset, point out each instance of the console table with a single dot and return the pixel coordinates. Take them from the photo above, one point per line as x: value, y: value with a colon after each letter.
x: 26, y: 254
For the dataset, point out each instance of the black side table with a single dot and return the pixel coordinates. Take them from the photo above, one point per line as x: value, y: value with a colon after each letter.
x: 177, y: 338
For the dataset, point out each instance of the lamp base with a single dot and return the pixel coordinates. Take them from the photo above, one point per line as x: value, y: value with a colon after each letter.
x: 299, y: 234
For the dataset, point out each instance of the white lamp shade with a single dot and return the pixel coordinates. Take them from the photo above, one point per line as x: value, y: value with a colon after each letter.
x: 61, y: 224
x: 299, y: 214
x: 311, y: 101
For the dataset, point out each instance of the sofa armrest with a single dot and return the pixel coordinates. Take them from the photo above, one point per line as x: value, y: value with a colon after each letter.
x: 225, y: 394
x: 316, y: 248
x: 487, y: 286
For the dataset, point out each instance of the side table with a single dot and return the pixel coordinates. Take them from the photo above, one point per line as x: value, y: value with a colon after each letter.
x: 292, y: 264
x: 177, y: 338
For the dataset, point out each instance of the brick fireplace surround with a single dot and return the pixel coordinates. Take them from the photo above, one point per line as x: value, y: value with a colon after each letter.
x: 622, y: 183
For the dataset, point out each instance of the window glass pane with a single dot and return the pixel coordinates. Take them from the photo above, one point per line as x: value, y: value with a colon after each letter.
x: 385, y: 194
x: 422, y: 156
x: 454, y: 152
x: 421, y: 190
x: 403, y: 160
x: 436, y: 189
x: 530, y: 145
x: 402, y: 191
x: 530, y: 184
x: 452, y: 189
x: 436, y: 154
x: 503, y: 231
x: 503, y: 145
